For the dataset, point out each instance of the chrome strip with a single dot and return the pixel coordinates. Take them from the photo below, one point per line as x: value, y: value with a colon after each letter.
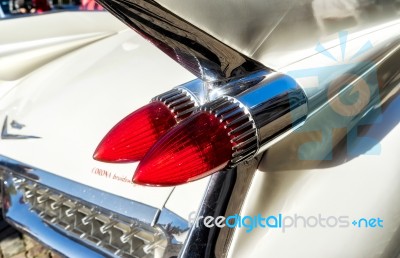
x: 245, y: 175
x: 19, y: 213
x: 117, y: 204
x: 201, y: 240
x: 225, y: 194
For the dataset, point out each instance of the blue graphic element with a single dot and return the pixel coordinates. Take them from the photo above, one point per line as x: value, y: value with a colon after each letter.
x: 321, y: 49
x: 368, y: 223
x: 343, y: 42
x: 346, y: 114
x: 285, y: 222
x: 367, y: 46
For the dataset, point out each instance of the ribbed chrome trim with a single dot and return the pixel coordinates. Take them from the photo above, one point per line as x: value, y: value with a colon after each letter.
x: 179, y: 101
x: 70, y: 217
x: 242, y: 129
x: 121, y: 237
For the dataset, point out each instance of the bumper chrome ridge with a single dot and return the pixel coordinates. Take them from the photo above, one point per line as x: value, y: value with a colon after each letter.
x: 84, y: 225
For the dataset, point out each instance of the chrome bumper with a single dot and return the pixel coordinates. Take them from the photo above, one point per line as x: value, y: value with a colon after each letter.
x: 79, y: 221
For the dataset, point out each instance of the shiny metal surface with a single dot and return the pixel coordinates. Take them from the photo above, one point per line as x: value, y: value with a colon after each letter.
x: 204, y: 91
x: 332, y: 169
x: 201, y: 240
x: 279, y: 32
x: 333, y: 76
x: 246, y: 172
x: 177, y: 229
x: 179, y: 101
x: 106, y: 232
x: 273, y: 33
x: 330, y: 165
x: 261, y: 115
x: 224, y: 195
x: 28, y: 191
x: 334, y: 122
x: 381, y: 62
x: 200, y: 53
x: 184, y: 99
x: 278, y: 105
x: 141, y: 212
x: 235, y: 117
x: 19, y: 215
x: 291, y: 37
x: 235, y: 86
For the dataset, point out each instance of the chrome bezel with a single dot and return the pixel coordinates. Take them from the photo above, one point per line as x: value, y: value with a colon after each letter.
x: 20, y: 214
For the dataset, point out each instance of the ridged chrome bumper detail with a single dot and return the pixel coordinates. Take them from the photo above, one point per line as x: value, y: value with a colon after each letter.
x: 243, y: 131
x: 126, y: 238
x: 79, y: 221
x: 179, y: 101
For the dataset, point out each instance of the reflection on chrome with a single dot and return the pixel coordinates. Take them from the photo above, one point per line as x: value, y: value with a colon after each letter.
x: 279, y: 32
x: 80, y: 221
x: 113, y: 235
x: 201, y: 54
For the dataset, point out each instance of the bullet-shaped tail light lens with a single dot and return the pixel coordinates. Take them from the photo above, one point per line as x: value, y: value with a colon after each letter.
x: 133, y: 136
x: 225, y: 132
x: 199, y: 146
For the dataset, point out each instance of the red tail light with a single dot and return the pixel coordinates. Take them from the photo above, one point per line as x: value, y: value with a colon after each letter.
x: 199, y: 146
x: 133, y: 136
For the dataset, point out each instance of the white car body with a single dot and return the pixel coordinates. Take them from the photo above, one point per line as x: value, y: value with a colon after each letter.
x: 116, y: 47
x: 70, y: 83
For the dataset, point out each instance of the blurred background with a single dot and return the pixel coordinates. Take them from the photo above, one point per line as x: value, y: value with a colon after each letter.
x: 18, y: 8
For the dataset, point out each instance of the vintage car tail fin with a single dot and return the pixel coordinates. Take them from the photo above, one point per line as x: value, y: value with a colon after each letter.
x: 200, y: 53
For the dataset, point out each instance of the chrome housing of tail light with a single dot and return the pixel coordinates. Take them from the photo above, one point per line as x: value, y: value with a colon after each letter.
x: 225, y: 132
x: 278, y: 105
x: 184, y: 97
x: 152, y: 121
x: 261, y: 115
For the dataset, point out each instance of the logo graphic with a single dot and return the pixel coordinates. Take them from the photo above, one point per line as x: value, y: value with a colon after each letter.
x: 345, y: 93
x: 283, y: 222
x: 6, y: 136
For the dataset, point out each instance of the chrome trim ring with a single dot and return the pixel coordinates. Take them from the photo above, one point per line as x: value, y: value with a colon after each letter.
x: 243, y: 131
x: 179, y: 101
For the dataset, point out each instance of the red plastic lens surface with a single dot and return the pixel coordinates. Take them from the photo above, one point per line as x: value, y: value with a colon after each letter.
x: 133, y: 136
x: 197, y: 147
